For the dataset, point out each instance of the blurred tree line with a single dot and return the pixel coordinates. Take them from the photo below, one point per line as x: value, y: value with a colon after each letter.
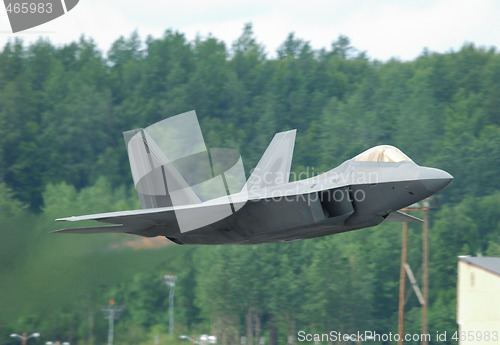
x: 62, y: 111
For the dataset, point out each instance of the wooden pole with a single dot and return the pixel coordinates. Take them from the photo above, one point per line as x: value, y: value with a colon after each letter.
x: 425, y: 273
x: 402, y: 284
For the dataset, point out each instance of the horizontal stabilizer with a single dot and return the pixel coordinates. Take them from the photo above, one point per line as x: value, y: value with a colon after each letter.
x: 399, y: 216
x: 94, y: 230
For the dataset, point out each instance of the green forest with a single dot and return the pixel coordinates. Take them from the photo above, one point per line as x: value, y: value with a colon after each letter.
x: 62, y: 113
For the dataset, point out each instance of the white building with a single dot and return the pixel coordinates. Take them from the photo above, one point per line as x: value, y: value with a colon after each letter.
x: 478, y: 300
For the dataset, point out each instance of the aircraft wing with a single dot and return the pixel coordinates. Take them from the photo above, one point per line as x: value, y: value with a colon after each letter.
x: 165, y: 221
x: 140, y: 222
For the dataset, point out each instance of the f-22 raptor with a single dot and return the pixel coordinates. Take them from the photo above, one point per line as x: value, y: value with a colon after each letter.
x: 194, y: 195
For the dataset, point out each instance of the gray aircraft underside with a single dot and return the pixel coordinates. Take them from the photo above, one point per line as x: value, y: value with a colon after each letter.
x: 192, y: 195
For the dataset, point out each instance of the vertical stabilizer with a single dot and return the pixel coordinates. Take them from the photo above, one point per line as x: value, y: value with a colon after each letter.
x: 273, y: 168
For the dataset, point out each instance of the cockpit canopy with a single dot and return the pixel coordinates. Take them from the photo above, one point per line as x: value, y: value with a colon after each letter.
x: 382, y: 153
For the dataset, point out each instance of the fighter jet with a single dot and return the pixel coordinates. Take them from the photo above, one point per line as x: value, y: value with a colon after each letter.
x: 194, y: 195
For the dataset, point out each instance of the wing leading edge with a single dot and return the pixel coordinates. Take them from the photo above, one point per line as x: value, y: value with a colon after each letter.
x: 146, y: 222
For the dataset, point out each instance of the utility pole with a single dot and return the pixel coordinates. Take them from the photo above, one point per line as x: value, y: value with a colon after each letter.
x: 424, y: 299
x: 112, y: 312
x: 425, y: 268
x: 402, y: 283
x: 169, y: 280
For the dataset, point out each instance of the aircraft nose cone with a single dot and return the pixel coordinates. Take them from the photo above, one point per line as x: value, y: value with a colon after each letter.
x: 435, y: 180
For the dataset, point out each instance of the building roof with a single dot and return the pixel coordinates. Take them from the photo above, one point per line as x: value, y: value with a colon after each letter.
x: 487, y: 263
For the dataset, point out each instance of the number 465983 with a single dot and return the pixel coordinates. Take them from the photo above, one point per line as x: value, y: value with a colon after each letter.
x: 29, y: 7
x: 475, y: 336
